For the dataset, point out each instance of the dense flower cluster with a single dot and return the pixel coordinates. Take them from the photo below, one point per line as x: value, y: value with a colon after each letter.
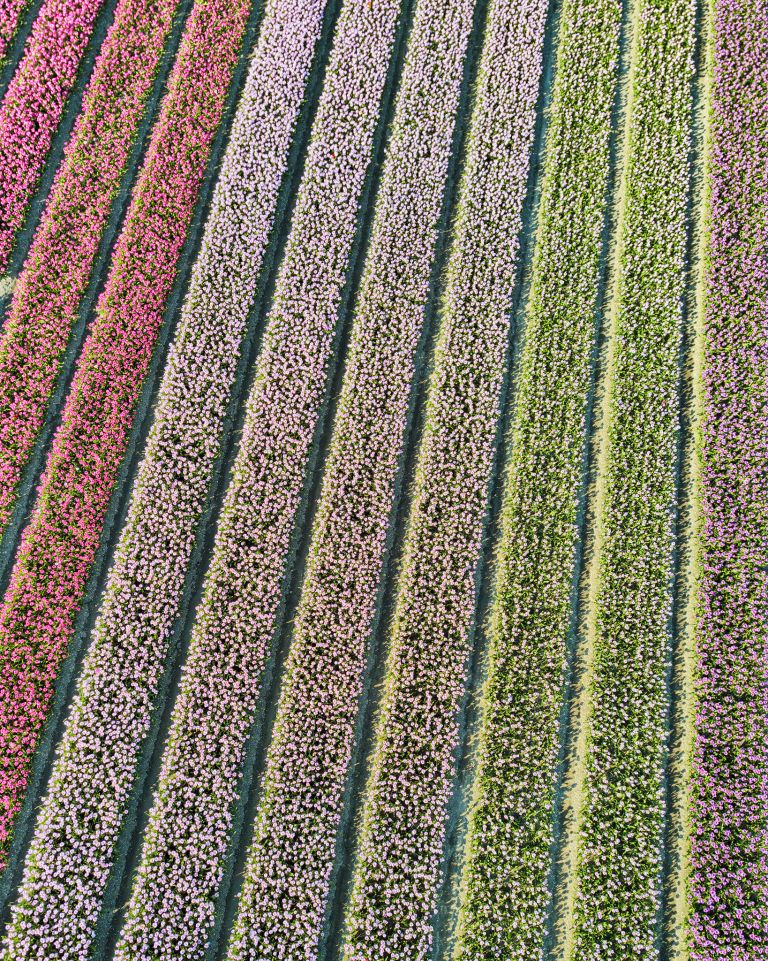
x: 729, y: 808
x: 618, y: 875
x: 73, y: 848
x: 57, y: 271
x: 11, y: 12
x: 59, y: 544
x: 404, y: 816
x: 508, y: 850
x: 34, y: 102
x: 288, y: 870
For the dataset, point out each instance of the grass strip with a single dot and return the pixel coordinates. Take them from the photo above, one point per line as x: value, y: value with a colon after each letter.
x: 59, y: 544
x: 505, y: 895
x: 401, y: 837
x: 33, y: 105
x: 618, y: 903
x: 289, y: 870
x: 728, y: 883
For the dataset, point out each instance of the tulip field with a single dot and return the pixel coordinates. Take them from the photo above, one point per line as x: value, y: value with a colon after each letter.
x: 383, y: 480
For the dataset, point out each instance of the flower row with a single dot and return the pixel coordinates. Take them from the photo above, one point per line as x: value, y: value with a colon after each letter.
x: 57, y: 271
x: 34, y: 102
x: 618, y: 901
x: 402, y: 831
x: 183, y: 858
x: 71, y: 857
x: 59, y: 544
x: 505, y: 898
x: 729, y: 807
x: 289, y: 868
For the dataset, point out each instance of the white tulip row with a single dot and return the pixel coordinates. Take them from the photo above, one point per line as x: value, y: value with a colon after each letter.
x: 73, y: 847
x: 620, y: 838
x: 290, y: 864
x: 402, y: 833
x: 505, y: 898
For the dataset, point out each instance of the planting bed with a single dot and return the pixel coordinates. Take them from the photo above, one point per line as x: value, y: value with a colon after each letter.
x: 383, y: 524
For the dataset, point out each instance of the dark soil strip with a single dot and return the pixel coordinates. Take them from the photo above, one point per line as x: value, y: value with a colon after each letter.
x: 25, y: 499
x: 117, y: 510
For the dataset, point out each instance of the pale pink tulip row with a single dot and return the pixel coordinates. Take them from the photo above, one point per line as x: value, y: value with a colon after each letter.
x: 73, y: 847
x: 11, y: 12
x: 171, y: 910
x: 728, y: 891
x: 34, y: 102
x: 288, y: 871
x: 59, y: 544
x: 402, y: 832
x: 47, y: 298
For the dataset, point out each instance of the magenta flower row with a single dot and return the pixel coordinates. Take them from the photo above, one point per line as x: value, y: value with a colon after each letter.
x: 288, y: 869
x: 72, y: 849
x: 48, y: 295
x: 10, y: 17
x: 34, y: 102
x: 729, y: 809
x: 59, y: 544
x: 402, y: 832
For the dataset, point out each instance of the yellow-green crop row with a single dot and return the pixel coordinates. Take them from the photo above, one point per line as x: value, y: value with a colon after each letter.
x: 505, y: 893
x: 620, y: 834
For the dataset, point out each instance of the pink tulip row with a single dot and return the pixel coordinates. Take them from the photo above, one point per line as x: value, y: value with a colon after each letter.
x: 728, y: 892
x: 621, y: 834
x: 73, y: 848
x: 49, y: 293
x: 402, y: 831
x: 505, y: 898
x: 59, y: 544
x: 34, y: 103
x: 11, y: 12
x: 172, y: 905
x: 287, y: 875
